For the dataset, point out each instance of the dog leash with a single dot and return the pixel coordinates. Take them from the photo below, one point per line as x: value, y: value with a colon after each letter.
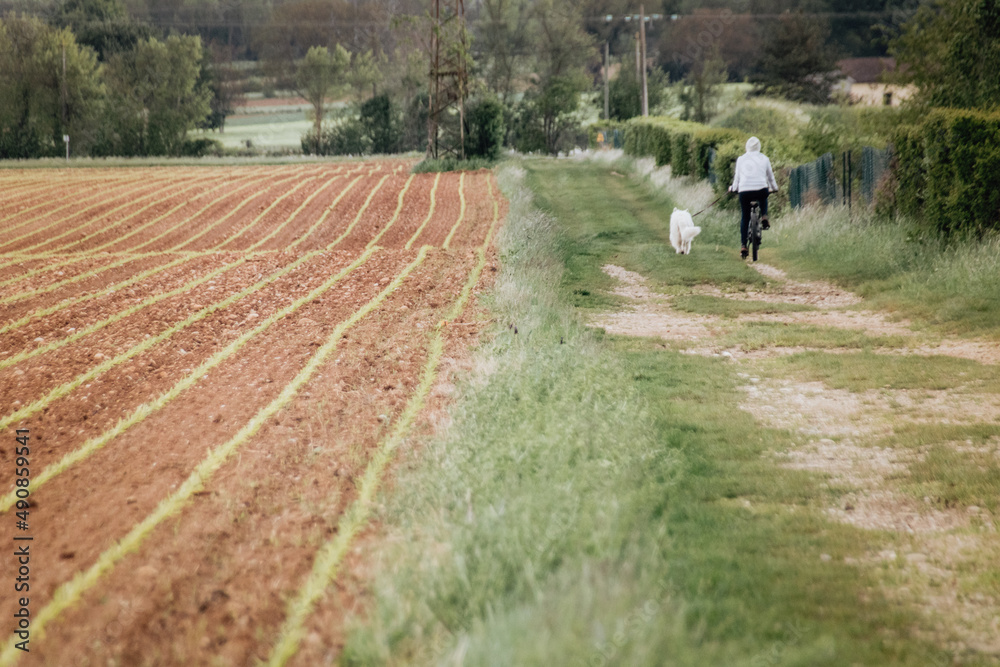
x: 707, y: 207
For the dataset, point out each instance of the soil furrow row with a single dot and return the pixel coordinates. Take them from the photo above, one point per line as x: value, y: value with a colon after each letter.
x: 188, y: 220
x: 70, y: 592
x: 17, y: 244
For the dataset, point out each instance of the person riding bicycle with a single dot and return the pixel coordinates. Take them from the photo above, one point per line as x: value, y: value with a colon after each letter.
x: 753, y: 179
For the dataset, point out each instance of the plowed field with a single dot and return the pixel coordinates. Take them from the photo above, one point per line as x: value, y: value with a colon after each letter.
x: 212, y: 367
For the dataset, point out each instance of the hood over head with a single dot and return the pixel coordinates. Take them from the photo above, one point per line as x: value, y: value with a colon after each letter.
x: 753, y: 145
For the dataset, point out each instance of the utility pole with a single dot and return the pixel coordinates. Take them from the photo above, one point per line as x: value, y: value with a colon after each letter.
x: 607, y: 64
x: 642, y: 39
x: 448, y: 81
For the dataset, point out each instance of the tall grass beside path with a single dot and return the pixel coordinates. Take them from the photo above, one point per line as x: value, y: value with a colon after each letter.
x: 526, y: 510
x: 600, y: 500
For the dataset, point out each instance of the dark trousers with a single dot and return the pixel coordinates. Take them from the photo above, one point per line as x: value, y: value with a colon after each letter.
x: 745, y: 199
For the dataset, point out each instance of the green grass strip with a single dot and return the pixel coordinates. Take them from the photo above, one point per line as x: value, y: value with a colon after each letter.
x: 146, y: 344
x: 298, y: 186
x: 395, y: 216
x: 70, y: 592
x: 277, y: 230
x: 156, y: 197
x: 361, y: 211
x: 105, y: 200
x: 111, y: 288
x: 329, y: 210
x: 461, y: 210
x: 430, y: 212
x: 139, y: 414
x: 332, y: 553
x: 132, y: 310
x: 187, y: 219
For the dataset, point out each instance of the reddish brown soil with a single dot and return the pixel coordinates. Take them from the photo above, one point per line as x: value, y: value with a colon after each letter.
x: 210, y: 585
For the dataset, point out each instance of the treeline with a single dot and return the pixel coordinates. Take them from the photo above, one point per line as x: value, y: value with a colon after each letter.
x: 128, y: 92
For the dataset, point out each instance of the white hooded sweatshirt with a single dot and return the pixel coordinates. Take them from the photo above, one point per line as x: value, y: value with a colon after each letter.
x: 753, y: 170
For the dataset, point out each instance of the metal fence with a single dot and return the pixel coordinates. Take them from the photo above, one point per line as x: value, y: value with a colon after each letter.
x: 610, y: 138
x: 813, y: 181
x: 874, y: 168
x: 818, y: 181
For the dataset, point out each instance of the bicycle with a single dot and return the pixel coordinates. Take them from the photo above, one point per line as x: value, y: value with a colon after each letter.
x: 755, y: 230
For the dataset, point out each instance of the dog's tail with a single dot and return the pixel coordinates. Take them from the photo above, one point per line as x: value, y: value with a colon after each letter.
x: 690, y: 233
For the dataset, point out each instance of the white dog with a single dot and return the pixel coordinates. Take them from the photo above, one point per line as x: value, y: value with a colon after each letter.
x: 682, y: 231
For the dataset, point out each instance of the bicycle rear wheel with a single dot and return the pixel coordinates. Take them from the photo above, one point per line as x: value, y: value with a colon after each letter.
x: 755, y: 231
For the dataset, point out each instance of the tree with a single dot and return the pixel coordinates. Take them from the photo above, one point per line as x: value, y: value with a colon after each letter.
x: 103, y: 25
x: 317, y: 75
x: 951, y: 52
x: 795, y: 62
x: 505, y: 51
x: 49, y: 87
x: 700, y: 89
x: 562, y: 51
x: 155, y: 96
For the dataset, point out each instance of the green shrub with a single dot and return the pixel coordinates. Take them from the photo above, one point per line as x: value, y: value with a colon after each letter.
x: 485, y: 129
x: 379, y: 124
x: 947, y: 170
x: 201, y: 147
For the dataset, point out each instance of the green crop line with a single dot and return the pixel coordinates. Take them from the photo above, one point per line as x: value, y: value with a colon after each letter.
x: 221, y: 182
x: 252, y: 182
x: 111, y: 288
x: 21, y: 296
x: 395, y: 216
x: 132, y: 310
x: 34, y: 272
x: 145, y: 410
x: 105, y: 199
x: 70, y: 592
x: 146, y: 344
x: 329, y: 209
x: 430, y: 212
x: 154, y: 196
x: 209, y: 228
x: 331, y: 554
x: 118, y: 182
x: 335, y: 177
x: 461, y: 211
x: 274, y: 204
x: 361, y: 211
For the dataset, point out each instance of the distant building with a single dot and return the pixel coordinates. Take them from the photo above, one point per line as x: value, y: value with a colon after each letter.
x: 864, y: 81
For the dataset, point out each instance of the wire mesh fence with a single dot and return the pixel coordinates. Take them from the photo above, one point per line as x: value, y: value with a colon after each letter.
x: 874, y: 168
x: 813, y: 181
x: 832, y: 179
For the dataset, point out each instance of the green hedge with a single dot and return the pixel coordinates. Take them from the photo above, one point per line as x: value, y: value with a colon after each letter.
x: 947, y: 169
x: 685, y: 146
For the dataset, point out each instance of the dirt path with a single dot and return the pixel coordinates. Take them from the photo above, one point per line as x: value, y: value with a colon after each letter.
x: 841, y: 436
